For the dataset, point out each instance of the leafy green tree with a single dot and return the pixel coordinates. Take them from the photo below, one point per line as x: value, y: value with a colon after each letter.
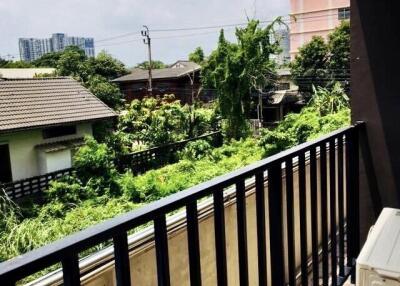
x: 327, y: 101
x: 321, y: 63
x: 154, y: 65
x: 16, y: 65
x: 106, y: 66
x: 236, y: 70
x: 72, y: 62
x: 310, y: 66
x: 339, y: 51
x: 197, y: 56
x: 49, y: 60
x: 107, y: 92
x: 3, y: 62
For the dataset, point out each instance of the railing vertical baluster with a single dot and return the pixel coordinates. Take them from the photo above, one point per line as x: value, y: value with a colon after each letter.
x: 314, y: 215
x: 303, y: 219
x: 290, y: 222
x: 242, y: 232
x: 332, y: 208
x: 220, y: 243
x: 261, y: 235
x: 70, y: 266
x: 121, y: 253
x: 275, y: 223
x: 352, y: 153
x: 341, y: 206
x: 193, y: 244
x: 161, y: 240
x: 324, y: 214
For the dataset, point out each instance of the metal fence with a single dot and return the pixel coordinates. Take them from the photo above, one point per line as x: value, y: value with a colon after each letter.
x: 142, y: 161
x: 32, y: 186
x: 337, y: 220
x: 138, y: 162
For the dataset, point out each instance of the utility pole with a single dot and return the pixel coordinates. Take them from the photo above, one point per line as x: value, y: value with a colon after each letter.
x: 147, y: 41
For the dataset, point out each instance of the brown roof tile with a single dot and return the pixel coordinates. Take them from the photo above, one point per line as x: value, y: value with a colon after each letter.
x: 177, y: 70
x: 34, y: 103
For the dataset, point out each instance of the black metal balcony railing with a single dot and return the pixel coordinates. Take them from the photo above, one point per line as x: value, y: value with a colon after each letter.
x: 337, y: 157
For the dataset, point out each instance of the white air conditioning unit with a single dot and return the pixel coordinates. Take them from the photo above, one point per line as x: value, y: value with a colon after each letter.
x: 379, y: 261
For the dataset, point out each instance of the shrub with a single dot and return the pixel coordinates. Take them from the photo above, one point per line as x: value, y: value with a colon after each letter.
x: 67, y: 190
x: 94, y: 164
x: 126, y: 183
x: 196, y: 150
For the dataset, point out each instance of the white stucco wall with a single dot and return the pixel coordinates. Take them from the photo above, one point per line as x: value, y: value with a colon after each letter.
x: 25, y: 158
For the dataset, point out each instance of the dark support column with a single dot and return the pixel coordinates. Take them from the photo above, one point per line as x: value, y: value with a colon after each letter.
x: 375, y: 99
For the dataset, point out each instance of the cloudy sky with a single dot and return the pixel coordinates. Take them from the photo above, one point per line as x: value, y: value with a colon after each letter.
x: 104, y: 19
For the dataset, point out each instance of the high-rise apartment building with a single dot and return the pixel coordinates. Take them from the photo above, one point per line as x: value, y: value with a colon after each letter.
x: 315, y: 18
x: 31, y: 49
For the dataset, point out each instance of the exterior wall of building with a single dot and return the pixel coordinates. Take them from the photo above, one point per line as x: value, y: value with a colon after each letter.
x: 32, y: 49
x: 25, y: 159
x: 181, y: 88
x: 313, y: 18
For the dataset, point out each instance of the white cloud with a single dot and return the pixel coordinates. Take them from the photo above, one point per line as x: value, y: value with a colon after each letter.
x: 104, y: 18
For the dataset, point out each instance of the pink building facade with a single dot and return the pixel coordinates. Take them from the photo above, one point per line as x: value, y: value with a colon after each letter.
x: 315, y: 18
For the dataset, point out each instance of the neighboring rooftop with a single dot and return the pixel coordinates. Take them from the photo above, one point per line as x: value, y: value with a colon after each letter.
x: 25, y: 72
x: 41, y: 102
x: 176, y: 70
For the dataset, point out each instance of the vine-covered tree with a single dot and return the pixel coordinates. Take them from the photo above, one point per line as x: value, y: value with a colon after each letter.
x: 235, y: 70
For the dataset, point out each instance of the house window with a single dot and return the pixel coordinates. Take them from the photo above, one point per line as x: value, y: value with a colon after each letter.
x: 59, y: 131
x: 344, y: 13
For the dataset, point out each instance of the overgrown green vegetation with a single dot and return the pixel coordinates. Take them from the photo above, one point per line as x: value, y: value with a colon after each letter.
x: 236, y: 70
x: 98, y: 191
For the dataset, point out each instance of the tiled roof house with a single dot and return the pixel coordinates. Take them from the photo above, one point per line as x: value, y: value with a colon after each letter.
x: 41, y: 122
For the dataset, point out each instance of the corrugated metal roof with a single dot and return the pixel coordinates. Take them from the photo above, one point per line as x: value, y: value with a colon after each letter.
x: 33, y: 103
x: 178, y: 69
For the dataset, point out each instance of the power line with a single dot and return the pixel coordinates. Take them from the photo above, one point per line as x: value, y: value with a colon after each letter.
x: 289, y: 19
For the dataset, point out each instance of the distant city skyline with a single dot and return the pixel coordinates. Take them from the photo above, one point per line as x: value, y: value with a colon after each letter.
x: 102, y: 19
x: 31, y: 49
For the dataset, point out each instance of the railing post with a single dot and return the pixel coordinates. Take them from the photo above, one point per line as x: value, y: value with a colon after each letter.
x: 70, y: 265
x: 220, y: 239
x: 303, y: 219
x: 193, y: 244
x: 261, y: 235
x: 162, y: 256
x: 242, y: 232
x: 275, y: 224
x: 353, y: 192
x: 121, y: 253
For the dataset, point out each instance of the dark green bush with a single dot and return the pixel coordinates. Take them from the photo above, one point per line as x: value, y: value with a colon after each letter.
x: 196, y: 150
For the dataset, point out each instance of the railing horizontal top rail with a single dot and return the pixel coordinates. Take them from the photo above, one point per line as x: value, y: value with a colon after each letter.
x: 50, y: 254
